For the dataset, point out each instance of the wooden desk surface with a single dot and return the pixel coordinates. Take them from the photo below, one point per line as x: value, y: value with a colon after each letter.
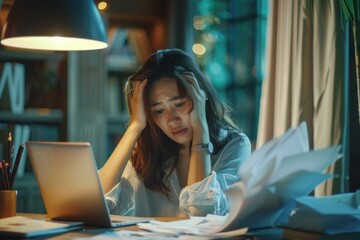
x: 261, y: 234
x: 90, y: 231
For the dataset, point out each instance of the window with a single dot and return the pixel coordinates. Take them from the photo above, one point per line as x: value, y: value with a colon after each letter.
x: 230, y: 49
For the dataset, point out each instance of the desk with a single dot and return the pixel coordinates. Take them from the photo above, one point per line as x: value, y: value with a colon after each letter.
x: 260, y: 234
x: 88, y: 231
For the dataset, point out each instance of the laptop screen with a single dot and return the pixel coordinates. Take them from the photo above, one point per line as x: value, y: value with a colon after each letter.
x: 68, y: 180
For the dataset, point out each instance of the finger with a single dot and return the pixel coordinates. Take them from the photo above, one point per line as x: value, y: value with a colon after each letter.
x: 139, y: 86
x: 203, y: 94
x: 190, y: 77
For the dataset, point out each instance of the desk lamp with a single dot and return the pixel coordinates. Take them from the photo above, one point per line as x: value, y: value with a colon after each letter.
x: 60, y: 25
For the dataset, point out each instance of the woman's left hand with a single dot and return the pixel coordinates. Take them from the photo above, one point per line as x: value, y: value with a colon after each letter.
x: 198, y: 114
x: 200, y: 163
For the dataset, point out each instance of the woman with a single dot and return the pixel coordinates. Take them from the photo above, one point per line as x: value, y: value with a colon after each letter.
x: 181, y: 149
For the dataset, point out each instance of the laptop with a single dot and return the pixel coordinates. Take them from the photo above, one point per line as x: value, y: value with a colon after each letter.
x: 70, y: 186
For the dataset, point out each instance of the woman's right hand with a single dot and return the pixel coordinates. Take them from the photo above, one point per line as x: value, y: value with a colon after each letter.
x: 138, y: 117
x: 110, y: 174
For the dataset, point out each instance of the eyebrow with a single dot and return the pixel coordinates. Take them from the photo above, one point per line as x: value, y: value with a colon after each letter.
x: 171, y: 99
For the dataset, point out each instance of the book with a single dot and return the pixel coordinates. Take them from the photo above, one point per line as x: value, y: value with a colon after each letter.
x: 121, y: 53
x: 335, y: 214
x: 295, y: 234
x: 140, y: 43
x: 27, y: 227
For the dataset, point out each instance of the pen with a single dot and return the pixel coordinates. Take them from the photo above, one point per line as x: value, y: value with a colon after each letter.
x: 16, y: 164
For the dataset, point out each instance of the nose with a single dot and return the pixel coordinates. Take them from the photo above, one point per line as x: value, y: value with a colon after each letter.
x: 173, y: 117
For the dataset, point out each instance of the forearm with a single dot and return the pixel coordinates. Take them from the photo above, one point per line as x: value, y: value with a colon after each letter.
x: 200, y: 162
x: 111, y: 172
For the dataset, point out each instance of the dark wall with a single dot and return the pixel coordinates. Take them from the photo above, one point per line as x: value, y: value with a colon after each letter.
x: 354, y: 125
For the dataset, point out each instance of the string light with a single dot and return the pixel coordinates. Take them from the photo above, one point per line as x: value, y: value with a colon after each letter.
x: 102, y: 5
x: 199, y: 49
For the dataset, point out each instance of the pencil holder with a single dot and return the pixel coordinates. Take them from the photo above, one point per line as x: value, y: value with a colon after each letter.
x: 7, y: 203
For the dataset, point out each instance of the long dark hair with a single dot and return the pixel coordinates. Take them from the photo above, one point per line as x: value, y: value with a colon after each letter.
x: 155, y: 155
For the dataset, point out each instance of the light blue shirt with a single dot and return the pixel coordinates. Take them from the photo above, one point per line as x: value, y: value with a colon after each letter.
x: 131, y: 197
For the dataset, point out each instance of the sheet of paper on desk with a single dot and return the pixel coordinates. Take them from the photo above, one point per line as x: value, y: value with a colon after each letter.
x: 193, y: 228
x: 134, y: 235
x: 273, y: 177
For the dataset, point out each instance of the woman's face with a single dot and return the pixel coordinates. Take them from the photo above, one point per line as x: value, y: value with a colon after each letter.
x: 170, y: 111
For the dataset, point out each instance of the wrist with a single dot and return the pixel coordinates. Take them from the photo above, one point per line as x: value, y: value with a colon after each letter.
x: 135, y: 127
x: 207, y: 147
x: 200, y: 135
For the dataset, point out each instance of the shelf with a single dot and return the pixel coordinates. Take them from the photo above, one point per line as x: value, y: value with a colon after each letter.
x: 7, y: 55
x: 136, y: 21
x: 40, y: 116
x: 121, y: 69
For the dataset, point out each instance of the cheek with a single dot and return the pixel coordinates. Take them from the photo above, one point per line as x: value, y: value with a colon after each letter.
x: 160, y: 122
x: 185, y: 113
x: 186, y: 118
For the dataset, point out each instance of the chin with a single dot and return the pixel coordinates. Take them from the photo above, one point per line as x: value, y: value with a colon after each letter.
x: 180, y: 140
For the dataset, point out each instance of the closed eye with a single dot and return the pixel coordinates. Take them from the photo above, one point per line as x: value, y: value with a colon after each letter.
x: 181, y: 103
x: 157, y: 112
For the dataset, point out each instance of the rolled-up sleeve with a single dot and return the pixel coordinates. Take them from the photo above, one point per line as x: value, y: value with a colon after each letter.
x: 120, y: 199
x: 208, y: 196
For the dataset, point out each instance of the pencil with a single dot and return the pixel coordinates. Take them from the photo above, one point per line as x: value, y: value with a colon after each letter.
x: 16, y: 164
x: 5, y: 175
x: 2, y: 179
x: 9, y: 159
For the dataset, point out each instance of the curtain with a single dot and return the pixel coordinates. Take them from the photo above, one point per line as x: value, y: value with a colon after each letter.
x: 304, y: 74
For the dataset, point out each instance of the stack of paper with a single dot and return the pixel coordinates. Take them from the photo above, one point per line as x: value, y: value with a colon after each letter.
x: 193, y: 228
x: 273, y: 177
x: 204, y: 227
x: 331, y: 214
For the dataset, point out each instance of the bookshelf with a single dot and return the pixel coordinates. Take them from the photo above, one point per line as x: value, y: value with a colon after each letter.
x: 39, y: 83
x: 41, y: 97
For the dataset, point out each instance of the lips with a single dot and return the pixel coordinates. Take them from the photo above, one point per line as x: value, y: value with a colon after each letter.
x: 180, y: 132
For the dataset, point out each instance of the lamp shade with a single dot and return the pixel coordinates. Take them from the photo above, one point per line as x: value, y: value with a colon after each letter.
x: 64, y: 25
